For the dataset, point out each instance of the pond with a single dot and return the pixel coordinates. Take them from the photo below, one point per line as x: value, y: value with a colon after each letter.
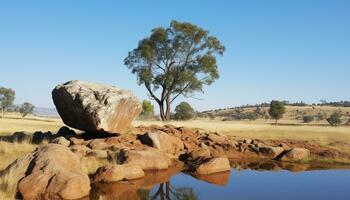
x: 246, y: 184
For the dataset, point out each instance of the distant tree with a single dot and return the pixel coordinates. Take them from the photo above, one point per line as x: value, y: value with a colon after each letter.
x: 26, y: 108
x: 308, y: 118
x: 147, y: 110
x: 7, y: 96
x: 334, y: 119
x: 184, y: 111
x: 178, y: 60
x: 277, y: 109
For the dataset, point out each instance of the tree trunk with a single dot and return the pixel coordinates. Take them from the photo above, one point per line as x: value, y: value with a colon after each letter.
x: 167, y: 113
x: 161, y: 110
x: 275, y: 121
x: 2, y: 112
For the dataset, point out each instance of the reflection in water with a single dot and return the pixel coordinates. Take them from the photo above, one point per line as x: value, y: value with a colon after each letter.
x: 157, y: 184
x: 271, y: 165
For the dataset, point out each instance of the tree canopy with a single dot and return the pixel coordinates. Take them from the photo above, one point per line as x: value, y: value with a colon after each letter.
x: 7, y: 96
x: 174, y: 61
x: 277, y: 109
x: 26, y: 108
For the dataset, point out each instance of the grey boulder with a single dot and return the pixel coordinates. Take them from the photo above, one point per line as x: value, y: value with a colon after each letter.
x: 95, y: 107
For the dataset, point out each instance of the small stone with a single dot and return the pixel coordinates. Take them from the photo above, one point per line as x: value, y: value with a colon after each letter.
x: 61, y: 140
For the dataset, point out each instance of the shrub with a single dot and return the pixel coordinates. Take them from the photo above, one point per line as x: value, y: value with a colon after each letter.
x: 184, y: 111
x: 334, y: 119
x: 308, y: 118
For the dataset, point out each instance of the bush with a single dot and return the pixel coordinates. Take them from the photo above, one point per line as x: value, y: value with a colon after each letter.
x: 308, y: 119
x: 184, y: 111
x: 147, y: 110
x: 334, y: 119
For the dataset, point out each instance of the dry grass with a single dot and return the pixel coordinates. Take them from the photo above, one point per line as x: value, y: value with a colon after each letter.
x: 91, y: 164
x: 13, y: 122
x: 11, y: 151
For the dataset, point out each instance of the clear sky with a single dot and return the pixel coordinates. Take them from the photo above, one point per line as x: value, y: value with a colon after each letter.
x: 291, y: 50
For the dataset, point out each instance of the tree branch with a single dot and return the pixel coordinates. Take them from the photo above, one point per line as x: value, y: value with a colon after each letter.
x: 182, y: 90
x: 151, y: 93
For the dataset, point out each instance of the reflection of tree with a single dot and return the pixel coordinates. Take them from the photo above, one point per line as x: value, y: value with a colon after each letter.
x: 167, y: 192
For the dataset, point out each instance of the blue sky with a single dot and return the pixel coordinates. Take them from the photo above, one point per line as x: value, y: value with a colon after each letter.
x: 293, y: 50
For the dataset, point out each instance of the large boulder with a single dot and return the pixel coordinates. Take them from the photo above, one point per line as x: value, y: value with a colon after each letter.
x: 95, y: 107
x: 162, y: 141
x: 51, y: 172
x: 296, y: 154
x: 213, y: 165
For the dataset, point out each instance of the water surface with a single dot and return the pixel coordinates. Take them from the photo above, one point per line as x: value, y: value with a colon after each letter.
x: 244, y: 184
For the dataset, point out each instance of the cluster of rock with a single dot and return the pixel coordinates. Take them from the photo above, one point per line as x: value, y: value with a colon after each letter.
x: 102, y: 111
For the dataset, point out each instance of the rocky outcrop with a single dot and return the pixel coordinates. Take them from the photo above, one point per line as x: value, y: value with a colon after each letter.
x: 95, y: 107
x: 115, y: 173
x: 162, y: 141
x: 51, y: 172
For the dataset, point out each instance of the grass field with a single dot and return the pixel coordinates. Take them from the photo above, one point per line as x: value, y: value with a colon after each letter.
x: 13, y: 122
x: 264, y: 130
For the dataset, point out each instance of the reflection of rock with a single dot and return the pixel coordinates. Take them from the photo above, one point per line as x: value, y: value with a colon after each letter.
x: 154, y: 177
x: 296, y: 154
x: 116, y: 190
x: 133, y: 189
x: 51, y: 172
x: 95, y: 107
x: 220, y: 178
x: 115, y: 173
x: 270, y: 165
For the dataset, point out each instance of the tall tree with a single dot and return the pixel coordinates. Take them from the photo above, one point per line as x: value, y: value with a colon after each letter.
x: 277, y: 109
x: 26, y: 108
x: 174, y: 61
x: 7, y: 96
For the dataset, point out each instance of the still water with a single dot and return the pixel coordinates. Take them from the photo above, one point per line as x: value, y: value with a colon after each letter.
x: 244, y: 184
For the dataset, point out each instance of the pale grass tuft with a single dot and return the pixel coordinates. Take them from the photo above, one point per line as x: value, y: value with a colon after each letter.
x: 9, y: 152
x: 89, y: 165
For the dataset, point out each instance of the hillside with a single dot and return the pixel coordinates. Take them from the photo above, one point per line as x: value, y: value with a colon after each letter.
x: 294, y: 114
